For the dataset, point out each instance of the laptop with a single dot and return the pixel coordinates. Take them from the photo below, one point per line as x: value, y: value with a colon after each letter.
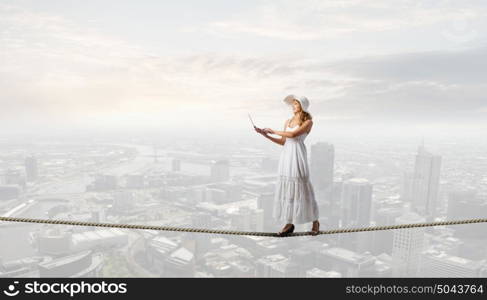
x: 251, y: 121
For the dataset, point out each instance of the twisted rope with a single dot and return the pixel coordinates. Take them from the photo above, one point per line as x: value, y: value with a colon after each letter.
x: 235, y: 232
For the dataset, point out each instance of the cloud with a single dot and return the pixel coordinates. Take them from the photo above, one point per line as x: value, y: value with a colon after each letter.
x: 423, y: 87
x: 318, y: 19
x: 465, y: 66
x: 56, y: 69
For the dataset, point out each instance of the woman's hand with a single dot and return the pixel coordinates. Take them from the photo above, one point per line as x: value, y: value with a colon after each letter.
x: 260, y: 130
x: 268, y: 130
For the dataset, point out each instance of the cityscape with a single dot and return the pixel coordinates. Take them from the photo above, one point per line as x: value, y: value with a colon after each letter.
x: 230, y: 185
x: 137, y: 112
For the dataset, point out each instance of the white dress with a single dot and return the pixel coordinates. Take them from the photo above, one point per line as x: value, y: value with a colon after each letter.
x: 294, y: 198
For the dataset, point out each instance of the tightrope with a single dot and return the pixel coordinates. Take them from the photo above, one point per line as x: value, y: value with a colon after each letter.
x: 235, y: 232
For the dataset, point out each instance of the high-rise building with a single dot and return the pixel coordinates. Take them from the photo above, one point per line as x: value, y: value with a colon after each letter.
x: 246, y: 218
x: 355, y: 211
x: 321, y: 167
x: 356, y: 202
x: 31, y: 171
x: 406, y: 191
x: 425, y: 184
x: 332, y: 212
x: 440, y: 264
x: 265, y: 201
x: 407, y: 246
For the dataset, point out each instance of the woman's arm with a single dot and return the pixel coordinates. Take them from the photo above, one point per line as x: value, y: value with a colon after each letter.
x: 282, y: 140
x: 275, y: 140
x: 305, y: 127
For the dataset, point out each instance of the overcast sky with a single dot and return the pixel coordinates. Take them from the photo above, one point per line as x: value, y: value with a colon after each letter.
x: 201, y: 64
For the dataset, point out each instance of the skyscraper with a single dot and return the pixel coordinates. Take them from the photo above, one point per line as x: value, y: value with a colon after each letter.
x: 356, y: 202
x: 407, y: 246
x: 31, y: 168
x: 321, y: 166
x: 355, y: 211
x: 425, y: 183
x: 266, y: 203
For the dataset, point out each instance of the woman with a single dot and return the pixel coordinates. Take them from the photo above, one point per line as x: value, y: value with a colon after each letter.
x: 294, y: 199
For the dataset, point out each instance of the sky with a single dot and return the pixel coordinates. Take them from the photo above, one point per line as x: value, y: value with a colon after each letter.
x: 195, y: 66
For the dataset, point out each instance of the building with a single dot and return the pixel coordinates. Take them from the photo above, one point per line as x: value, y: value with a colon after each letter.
x: 180, y: 263
x: 356, y: 202
x: 169, y: 258
x: 100, y: 239
x: 229, y: 260
x: 201, y: 219
x: 425, y: 183
x: 407, y: 246
x: 217, y: 196
x: 322, y: 167
x: 319, y: 273
x: 305, y: 258
x: 103, y: 182
x: 31, y: 170
x: 52, y: 241
x: 265, y: 201
x: 233, y: 190
x: 82, y: 264
x: 56, y: 242
x: 248, y: 219
x: 332, y: 212
x: 24, y: 267
x: 346, y: 262
x: 355, y: 211
x: 276, y: 265
x: 260, y: 184
x: 440, y: 264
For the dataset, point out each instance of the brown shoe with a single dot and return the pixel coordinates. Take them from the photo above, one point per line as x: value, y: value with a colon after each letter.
x: 316, y: 228
x: 286, y: 232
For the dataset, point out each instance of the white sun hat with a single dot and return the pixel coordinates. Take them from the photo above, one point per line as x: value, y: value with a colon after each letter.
x: 303, y: 100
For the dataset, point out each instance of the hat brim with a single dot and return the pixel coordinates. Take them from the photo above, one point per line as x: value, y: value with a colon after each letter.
x: 290, y: 98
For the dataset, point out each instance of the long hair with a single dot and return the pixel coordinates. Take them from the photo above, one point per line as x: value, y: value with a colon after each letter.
x: 303, y: 116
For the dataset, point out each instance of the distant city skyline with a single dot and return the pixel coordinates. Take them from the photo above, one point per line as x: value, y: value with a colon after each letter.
x: 136, y: 113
